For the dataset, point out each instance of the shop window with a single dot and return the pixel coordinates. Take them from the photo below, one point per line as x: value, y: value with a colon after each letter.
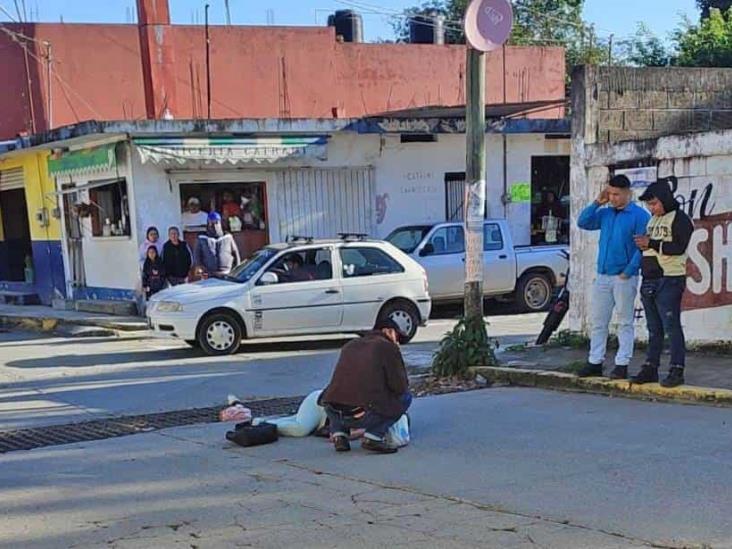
x: 242, y: 206
x: 110, y: 213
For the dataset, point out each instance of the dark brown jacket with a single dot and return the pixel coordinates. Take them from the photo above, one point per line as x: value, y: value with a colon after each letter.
x: 370, y: 373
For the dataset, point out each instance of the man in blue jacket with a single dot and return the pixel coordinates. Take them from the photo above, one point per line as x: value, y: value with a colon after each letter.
x: 618, y: 219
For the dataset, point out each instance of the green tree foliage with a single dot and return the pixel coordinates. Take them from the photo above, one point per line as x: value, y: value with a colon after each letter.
x: 644, y: 49
x: 536, y: 22
x: 706, y: 6
x: 708, y: 44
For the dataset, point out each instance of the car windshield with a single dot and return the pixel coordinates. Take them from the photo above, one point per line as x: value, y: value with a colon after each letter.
x: 251, y: 266
x: 408, y: 238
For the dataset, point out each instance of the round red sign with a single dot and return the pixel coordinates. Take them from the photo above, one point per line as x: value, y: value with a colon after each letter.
x: 488, y: 23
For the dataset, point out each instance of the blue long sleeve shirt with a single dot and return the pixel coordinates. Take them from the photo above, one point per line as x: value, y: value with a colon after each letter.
x: 618, y: 253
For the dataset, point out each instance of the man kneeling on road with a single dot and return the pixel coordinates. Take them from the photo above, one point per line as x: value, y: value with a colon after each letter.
x: 369, y: 389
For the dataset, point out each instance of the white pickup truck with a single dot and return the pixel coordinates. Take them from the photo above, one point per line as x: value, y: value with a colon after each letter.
x: 527, y: 275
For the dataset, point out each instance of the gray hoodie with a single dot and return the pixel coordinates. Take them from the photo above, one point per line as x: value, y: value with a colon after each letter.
x: 217, y: 255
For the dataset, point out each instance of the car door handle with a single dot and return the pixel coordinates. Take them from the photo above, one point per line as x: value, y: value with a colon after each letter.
x: 332, y: 291
x: 503, y: 256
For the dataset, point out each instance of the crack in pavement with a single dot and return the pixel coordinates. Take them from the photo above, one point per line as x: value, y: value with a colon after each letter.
x: 482, y: 506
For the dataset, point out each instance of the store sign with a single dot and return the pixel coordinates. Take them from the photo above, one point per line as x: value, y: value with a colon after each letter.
x: 231, y: 150
x: 83, y: 162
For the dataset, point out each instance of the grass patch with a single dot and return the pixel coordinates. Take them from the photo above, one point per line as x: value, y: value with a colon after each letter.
x: 573, y: 367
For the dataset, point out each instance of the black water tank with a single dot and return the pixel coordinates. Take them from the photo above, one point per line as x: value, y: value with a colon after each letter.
x: 427, y: 28
x: 348, y: 24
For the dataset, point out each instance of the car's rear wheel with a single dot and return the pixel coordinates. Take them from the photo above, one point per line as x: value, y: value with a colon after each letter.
x: 534, y: 292
x: 220, y: 334
x: 404, y: 314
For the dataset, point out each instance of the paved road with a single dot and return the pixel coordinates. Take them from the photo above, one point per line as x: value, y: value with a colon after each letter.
x: 54, y: 380
x: 493, y: 468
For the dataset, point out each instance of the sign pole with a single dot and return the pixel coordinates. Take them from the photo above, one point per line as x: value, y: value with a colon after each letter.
x: 487, y: 25
x: 474, y: 183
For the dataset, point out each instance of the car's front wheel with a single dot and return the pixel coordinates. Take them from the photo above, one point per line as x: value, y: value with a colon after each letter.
x: 220, y: 334
x: 404, y: 314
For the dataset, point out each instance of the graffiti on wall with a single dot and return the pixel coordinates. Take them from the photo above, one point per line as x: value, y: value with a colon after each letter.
x: 709, y: 269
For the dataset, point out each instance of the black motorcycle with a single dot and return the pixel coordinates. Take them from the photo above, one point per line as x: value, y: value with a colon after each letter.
x: 558, y: 310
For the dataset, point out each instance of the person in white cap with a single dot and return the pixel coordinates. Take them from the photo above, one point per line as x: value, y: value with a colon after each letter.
x: 194, y: 218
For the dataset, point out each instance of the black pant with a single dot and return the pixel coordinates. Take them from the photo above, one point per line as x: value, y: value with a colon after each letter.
x: 661, y: 299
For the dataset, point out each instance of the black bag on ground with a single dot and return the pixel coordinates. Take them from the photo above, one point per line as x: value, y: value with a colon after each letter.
x: 246, y: 434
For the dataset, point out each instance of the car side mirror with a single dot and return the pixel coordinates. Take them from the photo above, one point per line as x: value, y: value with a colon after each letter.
x: 268, y: 279
x: 428, y: 249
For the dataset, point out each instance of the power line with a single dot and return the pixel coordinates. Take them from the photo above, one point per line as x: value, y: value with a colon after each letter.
x: 15, y: 37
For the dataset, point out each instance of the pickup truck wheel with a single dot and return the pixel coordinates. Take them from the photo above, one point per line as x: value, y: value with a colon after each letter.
x: 404, y: 314
x: 220, y: 334
x: 533, y: 292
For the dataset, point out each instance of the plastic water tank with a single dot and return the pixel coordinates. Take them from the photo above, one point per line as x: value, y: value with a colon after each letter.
x: 427, y: 28
x: 348, y: 24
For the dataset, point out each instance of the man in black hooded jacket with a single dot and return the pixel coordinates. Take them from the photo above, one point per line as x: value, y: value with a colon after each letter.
x: 664, y: 281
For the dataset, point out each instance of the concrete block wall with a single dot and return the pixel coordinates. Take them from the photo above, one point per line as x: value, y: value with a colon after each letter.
x: 644, y: 103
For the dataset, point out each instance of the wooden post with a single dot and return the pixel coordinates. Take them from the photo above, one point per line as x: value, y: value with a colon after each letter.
x: 474, y: 183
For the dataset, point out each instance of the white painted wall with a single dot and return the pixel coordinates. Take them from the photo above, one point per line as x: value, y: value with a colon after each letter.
x: 109, y: 262
x: 699, y: 162
x: 411, y: 174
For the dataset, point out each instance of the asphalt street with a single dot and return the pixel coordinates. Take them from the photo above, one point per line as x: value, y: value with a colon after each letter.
x: 45, y: 380
x: 493, y: 468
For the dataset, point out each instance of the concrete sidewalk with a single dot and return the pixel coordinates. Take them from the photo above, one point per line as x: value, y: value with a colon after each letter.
x: 703, y: 369
x: 48, y: 319
x: 495, y: 468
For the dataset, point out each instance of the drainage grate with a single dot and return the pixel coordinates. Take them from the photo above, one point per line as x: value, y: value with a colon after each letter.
x: 53, y: 435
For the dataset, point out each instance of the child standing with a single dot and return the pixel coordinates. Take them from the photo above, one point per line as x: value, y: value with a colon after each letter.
x: 153, y: 273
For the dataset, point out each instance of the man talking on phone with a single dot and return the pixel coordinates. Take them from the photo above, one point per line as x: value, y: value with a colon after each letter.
x: 619, y: 220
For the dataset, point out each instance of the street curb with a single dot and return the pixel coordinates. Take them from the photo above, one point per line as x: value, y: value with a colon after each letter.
x: 51, y: 324
x: 543, y: 379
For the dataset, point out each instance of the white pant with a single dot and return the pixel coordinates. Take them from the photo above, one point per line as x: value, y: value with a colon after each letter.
x: 613, y: 293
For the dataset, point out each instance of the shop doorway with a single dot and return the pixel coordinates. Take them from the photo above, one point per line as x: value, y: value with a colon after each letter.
x: 242, y: 206
x: 549, y: 200
x: 16, y: 229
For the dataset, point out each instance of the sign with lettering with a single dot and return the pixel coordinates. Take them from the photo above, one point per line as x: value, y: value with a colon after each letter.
x: 488, y: 23
x: 520, y: 193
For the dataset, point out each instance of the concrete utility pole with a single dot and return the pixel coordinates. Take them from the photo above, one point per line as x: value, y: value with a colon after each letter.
x: 474, y: 183
x: 487, y: 25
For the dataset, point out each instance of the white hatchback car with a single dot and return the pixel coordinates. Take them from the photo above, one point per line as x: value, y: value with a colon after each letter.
x: 303, y: 287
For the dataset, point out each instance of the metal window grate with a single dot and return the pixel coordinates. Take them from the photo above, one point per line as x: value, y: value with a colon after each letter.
x: 54, y: 435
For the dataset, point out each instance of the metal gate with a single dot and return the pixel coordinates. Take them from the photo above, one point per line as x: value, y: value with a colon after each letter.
x: 324, y: 202
x: 74, y: 238
x: 454, y: 196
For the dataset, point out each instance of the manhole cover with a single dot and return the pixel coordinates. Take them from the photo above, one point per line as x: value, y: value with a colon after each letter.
x: 53, y: 435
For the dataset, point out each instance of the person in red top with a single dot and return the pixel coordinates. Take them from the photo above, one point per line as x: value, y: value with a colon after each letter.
x: 229, y: 207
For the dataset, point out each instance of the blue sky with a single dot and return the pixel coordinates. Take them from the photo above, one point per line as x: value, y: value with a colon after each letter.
x: 610, y: 16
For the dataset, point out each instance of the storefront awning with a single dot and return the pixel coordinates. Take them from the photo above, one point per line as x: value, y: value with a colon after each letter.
x: 230, y: 150
x: 83, y: 162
